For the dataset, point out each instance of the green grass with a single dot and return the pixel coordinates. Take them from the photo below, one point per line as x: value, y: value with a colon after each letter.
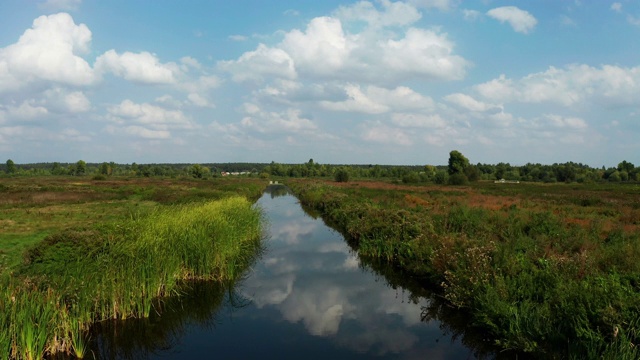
x: 534, y: 267
x: 93, y: 259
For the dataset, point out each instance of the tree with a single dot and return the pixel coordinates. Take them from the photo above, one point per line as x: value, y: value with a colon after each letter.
x: 11, y: 167
x: 105, y: 169
x: 81, y: 167
x: 457, y: 162
x: 626, y: 166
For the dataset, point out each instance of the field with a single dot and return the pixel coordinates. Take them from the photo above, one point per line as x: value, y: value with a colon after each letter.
x: 76, y: 251
x: 546, y: 269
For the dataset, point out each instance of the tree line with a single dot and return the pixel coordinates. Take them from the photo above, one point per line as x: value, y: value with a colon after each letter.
x: 459, y: 170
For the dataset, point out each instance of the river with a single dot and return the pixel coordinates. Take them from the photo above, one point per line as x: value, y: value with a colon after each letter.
x: 308, y: 297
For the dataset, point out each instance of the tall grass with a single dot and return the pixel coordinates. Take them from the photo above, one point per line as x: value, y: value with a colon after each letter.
x: 528, y: 276
x: 117, y: 271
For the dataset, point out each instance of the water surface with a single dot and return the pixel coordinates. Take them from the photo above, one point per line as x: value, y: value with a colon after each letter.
x: 309, y: 296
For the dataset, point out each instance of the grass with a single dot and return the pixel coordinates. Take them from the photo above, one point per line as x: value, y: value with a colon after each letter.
x: 109, y: 250
x: 536, y: 267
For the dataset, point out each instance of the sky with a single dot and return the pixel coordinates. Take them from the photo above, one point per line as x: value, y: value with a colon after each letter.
x: 340, y: 82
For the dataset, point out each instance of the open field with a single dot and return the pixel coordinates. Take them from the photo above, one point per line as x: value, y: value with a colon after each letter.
x: 75, y: 252
x: 548, y: 269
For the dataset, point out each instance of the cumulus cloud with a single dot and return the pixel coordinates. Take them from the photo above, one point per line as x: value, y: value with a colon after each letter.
x: 290, y: 121
x: 386, y: 135
x: 324, y: 51
x: 26, y: 111
x: 146, y: 120
x: 469, y: 103
x: 377, y: 100
x: 141, y: 67
x: 259, y: 64
x: 49, y: 51
x: 323, y: 47
x: 575, y: 84
x: 520, y: 20
x: 425, y: 53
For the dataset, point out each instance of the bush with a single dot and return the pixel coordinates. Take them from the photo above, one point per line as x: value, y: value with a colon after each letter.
x: 458, y: 179
x: 342, y: 175
x: 441, y: 177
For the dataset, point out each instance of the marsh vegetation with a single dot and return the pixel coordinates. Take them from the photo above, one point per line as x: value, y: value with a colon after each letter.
x: 92, y: 261
x: 549, y: 270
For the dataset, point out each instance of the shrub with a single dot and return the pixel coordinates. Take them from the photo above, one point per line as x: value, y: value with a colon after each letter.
x: 342, y: 175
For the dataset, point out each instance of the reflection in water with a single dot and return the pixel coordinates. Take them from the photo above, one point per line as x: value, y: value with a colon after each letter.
x: 310, y: 296
x: 161, y: 332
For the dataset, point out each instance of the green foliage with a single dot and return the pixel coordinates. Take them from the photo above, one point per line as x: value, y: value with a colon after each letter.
x: 80, y: 168
x: 458, y: 179
x: 11, y: 167
x: 441, y: 177
x: 528, y: 278
x: 457, y: 162
x: 341, y: 175
x: 118, y: 270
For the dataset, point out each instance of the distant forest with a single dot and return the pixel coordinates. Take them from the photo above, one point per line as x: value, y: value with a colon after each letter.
x: 458, y: 171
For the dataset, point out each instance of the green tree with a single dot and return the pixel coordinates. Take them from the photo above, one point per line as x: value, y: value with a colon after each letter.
x: 105, y: 169
x: 457, y: 162
x: 81, y: 168
x: 11, y: 167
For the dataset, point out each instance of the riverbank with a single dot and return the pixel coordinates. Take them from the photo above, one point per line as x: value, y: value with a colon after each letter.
x: 549, y: 270
x: 118, y: 265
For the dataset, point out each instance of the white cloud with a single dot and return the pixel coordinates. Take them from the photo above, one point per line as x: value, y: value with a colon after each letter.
x: 377, y: 100
x: 558, y: 121
x: 55, y: 5
x: 616, y: 6
x: 152, y: 116
x: 199, y: 100
x: 322, y: 47
x: 141, y: 67
x: 289, y: 121
x: 261, y: 63
x: 386, y: 135
x: 576, y: 84
x: 633, y: 20
x: 393, y: 13
x: 139, y: 131
x: 26, y: 111
x: 418, y: 120
x: 375, y: 55
x: 469, y: 103
x: 520, y: 20
x: 49, y: 51
x: 238, y: 38
x: 438, y: 4
x: 423, y: 53
x: 471, y: 15
x: 357, y: 102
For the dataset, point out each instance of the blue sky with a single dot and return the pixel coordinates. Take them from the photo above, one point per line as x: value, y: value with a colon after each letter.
x: 366, y: 82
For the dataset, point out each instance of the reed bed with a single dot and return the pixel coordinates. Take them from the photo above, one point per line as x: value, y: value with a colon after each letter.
x: 118, y: 271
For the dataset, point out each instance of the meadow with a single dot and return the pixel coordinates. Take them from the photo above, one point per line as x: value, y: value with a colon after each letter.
x: 548, y: 270
x: 75, y: 251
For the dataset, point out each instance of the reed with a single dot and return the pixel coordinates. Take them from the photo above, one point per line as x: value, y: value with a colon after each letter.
x: 119, y: 270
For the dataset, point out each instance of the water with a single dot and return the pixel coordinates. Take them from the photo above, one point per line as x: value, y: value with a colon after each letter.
x: 309, y: 296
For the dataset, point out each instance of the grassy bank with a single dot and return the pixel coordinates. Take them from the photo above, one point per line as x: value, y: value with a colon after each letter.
x: 118, y: 265
x: 550, y: 270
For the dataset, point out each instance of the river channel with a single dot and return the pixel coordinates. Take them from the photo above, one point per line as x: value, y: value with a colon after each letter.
x: 309, y: 296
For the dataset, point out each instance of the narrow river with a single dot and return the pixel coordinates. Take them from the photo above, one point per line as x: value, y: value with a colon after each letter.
x: 308, y: 297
